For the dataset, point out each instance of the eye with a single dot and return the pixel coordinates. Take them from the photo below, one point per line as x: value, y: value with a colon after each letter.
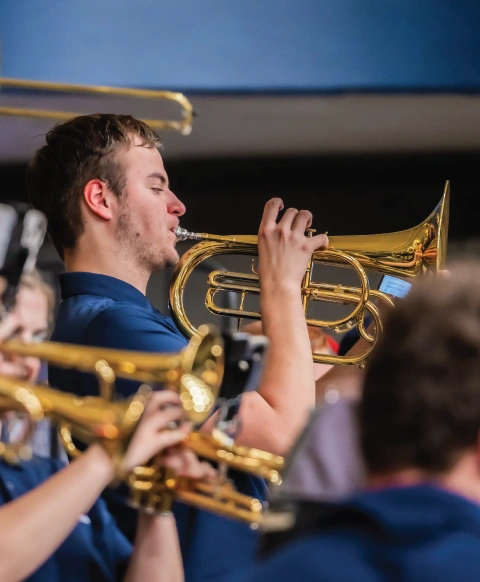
x: 16, y: 334
x: 157, y: 190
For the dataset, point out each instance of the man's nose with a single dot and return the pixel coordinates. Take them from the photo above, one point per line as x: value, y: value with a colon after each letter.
x: 175, y: 206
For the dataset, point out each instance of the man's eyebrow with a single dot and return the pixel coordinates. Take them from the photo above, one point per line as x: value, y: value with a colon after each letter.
x: 159, y: 176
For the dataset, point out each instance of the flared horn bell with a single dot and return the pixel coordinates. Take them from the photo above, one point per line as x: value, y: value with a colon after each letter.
x: 405, y: 253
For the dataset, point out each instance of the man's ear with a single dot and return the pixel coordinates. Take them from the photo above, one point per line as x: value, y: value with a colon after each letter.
x: 99, y: 198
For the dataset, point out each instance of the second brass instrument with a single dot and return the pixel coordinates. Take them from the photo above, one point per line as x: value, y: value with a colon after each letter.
x: 195, y: 373
x: 112, y: 424
x: 184, y: 125
x: 199, y: 367
x: 404, y: 254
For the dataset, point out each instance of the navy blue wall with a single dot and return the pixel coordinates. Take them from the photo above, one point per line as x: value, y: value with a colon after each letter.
x: 252, y: 45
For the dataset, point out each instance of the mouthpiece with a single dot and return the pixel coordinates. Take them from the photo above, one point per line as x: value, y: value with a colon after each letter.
x: 184, y: 234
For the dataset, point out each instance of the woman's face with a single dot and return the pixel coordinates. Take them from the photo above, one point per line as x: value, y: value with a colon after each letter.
x: 31, y: 325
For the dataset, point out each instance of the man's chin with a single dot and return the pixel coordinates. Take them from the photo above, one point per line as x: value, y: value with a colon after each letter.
x: 169, y: 261
x: 173, y: 259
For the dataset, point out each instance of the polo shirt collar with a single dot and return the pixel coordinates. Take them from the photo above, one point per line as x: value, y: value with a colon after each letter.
x: 81, y: 283
x: 414, y: 510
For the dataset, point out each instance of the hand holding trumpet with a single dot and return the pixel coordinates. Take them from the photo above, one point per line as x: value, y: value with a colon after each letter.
x: 154, y: 439
x: 284, y: 250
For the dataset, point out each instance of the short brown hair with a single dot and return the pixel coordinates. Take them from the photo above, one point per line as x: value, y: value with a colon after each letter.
x: 421, y: 402
x: 76, y: 152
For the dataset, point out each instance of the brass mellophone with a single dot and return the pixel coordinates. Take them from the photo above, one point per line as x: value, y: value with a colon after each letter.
x: 195, y: 373
x: 404, y: 254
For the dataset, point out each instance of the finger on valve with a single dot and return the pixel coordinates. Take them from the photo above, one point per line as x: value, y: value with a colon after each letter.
x: 288, y: 218
x: 319, y: 241
x: 162, y: 400
x: 186, y: 464
x: 147, y: 444
x: 302, y: 221
x: 169, y: 419
x: 270, y: 213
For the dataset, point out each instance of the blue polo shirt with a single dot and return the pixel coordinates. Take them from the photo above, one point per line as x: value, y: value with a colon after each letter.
x: 103, y: 311
x: 408, y: 534
x: 98, y: 310
x: 95, y: 551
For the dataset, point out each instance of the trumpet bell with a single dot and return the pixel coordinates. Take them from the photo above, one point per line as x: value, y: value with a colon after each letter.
x: 203, y: 365
x: 88, y: 419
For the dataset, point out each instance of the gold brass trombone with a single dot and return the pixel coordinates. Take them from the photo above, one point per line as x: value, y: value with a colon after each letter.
x: 404, y: 254
x: 184, y: 126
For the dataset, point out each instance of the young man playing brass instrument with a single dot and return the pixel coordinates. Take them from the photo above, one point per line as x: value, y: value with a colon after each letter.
x: 101, y: 182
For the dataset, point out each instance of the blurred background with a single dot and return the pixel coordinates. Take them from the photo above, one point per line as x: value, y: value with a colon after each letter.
x: 358, y: 110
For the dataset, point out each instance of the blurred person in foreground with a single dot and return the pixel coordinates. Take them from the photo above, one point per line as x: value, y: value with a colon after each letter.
x: 33, y: 315
x: 52, y: 525
x: 418, y: 516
